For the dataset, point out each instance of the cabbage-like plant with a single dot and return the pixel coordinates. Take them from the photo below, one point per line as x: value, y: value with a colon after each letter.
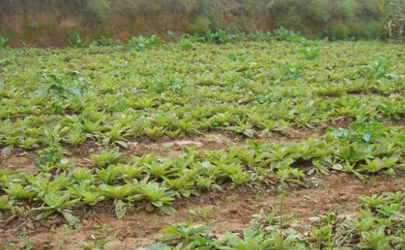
x: 119, y: 194
x: 158, y: 197
x: 6, y: 203
x: 56, y: 203
x: 18, y: 191
x: 106, y: 158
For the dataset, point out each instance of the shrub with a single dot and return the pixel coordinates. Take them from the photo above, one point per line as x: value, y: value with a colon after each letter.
x: 4, y: 41
x: 336, y: 30
x: 373, y: 30
x: 241, y: 24
x: 199, y: 26
x: 395, y: 18
x: 283, y: 34
x: 319, y: 10
x: 99, y: 8
x: 347, y: 9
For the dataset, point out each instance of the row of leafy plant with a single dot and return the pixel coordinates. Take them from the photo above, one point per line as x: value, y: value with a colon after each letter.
x: 53, y: 93
x: 186, y: 41
x: 378, y: 225
x: 152, y: 182
x: 257, y: 121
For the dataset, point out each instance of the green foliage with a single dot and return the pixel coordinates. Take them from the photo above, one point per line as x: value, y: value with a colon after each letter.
x: 360, y: 131
x: 379, y: 228
x: 108, y: 175
x: 97, y: 244
x: 310, y: 53
x: 98, y: 7
x: 77, y: 42
x: 340, y: 19
x: 320, y: 10
x: 260, y: 36
x: 184, y: 232
x: 57, y: 203
x: 251, y: 240
x: 395, y: 14
x: 378, y: 69
x: 4, y: 41
x: 336, y: 30
x: 141, y: 43
x: 157, y: 197
x: 283, y: 34
x: 154, y: 133
x: 17, y: 191
x: 106, y: 158
x: 104, y: 41
x: 6, y: 203
x: 200, y: 25
x: 347, y: 9
x: 234, y: 90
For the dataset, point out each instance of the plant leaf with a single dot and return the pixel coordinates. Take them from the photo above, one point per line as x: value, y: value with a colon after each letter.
x: 167, y: 210
x: 6, y: 151
x: 217, y: 187
x: 157, y: 203
x: 73, y: 221
x: 43, y: 215
x: 120, y: 209
x: 122, y: 144
x: 150, y: 207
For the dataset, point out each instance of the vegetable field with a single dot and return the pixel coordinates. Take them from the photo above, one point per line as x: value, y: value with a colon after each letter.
x: 248, y: 145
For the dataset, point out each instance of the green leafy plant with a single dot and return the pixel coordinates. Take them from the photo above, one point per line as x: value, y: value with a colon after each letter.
x: 55, y: 203
x: 6, y: 203
x: 310, y: 53
x: 119, y: 193
x: 251, y: 240
x: 373, y: 201
x: 183, y: 185
x: 4, y: 41
x: 97, y: 243
x: 18, y: 191
x: 154, y: 133
x: 159, y: 170
x: 77, y: 42
x: 108, y: 175
x: 185, y: 232
x: 104, y: 41
x: 158, y: 197
x: 378, y: 69
x: 283, y: 34
x: 106, y: 158
x: 375, y: 239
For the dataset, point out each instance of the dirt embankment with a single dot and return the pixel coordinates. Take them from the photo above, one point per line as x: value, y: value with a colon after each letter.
x: 53, y: 28
x: 40, y: 24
